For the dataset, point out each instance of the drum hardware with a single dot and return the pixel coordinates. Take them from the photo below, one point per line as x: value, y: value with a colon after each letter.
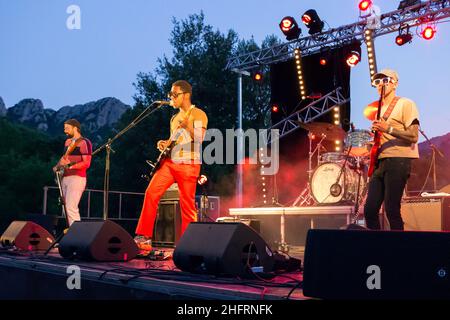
x: 305, y: 197
x: 336, y: 189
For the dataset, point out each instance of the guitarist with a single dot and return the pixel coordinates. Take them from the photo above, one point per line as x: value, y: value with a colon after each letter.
x: 398, y: 129
x: 182, y: 166
x: 74, y: 163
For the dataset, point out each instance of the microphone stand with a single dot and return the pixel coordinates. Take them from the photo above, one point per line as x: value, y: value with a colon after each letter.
x: 434, y: 149
x: 107, y: 146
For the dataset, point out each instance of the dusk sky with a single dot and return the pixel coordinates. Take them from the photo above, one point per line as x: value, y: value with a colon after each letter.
x: 41, y: 58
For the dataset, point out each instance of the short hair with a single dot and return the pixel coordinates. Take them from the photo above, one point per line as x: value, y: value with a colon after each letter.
x: 184, y: 85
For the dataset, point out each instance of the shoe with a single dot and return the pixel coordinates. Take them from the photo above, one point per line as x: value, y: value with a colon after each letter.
x: 143, y: 242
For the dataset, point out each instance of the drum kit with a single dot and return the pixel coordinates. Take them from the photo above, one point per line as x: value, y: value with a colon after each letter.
x: 339, y: 178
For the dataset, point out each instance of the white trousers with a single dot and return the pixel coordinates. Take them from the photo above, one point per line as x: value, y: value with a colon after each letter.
x: 73, y: 187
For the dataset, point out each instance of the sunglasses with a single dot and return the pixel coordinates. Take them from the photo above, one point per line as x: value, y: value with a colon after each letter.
x: 174, y: 94
x: 385, y: 80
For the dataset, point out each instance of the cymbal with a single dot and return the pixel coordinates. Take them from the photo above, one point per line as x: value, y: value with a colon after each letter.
x: 331, y: 131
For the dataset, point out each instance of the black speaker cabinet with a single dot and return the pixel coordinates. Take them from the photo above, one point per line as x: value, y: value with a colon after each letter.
x: 363, y: 264
x: 98, y: 241
x: 222, y: 249
x: 27, y: 235
x: 167, y: 229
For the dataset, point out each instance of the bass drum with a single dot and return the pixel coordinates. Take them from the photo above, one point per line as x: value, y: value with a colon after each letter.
x: 325, y: 176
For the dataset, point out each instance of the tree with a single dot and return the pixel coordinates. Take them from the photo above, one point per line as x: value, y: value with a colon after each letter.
x: 199, y: 56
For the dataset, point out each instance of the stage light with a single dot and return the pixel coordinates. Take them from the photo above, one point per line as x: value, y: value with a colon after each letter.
x: 325, y: 55
x: 364, y: 5
x: 401, y: 39
x: 311, y: 19
x: 257, y: 76
x: 404, y: 36
x: 202, y: 180
x: 407, y: 3
x: 353, y: 56
x: 290, y: 28
x: 370, y: 52
x: 275, y: 108
x: 428, y: 33
x: 298, y: 63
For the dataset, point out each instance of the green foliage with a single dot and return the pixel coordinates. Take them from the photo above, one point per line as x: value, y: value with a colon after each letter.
x: 26, y: 157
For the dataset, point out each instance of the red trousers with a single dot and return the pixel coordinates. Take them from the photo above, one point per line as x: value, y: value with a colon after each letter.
x: 185, y: 175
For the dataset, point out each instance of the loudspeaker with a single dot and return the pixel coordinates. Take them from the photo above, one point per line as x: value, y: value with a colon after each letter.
x: 98, y: 241
x: 27, y: 235
x: 167, y: 229
x: 222, y: 249
x: 363, y: 264
x: 422, y: 214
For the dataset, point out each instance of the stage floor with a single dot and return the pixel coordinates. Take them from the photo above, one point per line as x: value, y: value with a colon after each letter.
x: 30, y: 275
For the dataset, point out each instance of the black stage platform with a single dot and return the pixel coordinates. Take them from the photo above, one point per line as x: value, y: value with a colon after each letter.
x: 31, y: 275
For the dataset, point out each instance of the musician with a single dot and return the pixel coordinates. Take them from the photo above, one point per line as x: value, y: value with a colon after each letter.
x: 187, y: 129
x: 75, y: 162
x: 399, y: 136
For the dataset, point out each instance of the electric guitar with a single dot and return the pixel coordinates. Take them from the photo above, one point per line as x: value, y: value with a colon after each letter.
x: 376, y: 145
x: 165, y: 153
x: 60, y: 168
x: 374, y: 152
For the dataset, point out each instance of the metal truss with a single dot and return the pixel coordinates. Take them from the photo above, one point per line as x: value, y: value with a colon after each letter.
x: 309, y: 113
x: 430, y: 11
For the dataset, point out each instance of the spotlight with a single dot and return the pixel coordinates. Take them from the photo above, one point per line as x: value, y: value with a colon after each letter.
x: 407, y: 3
x: 290, y: 28
x: 401, y: 39
x: 364, y: 5
x: 428, y: 33
x: 403, y: 35
x: 311, y: 19
x: 257, y: 76
x: 354, y: 55
x: 325, y: 55
x: 275, y: 108
x: 202, y: 180
x: 353, y: 58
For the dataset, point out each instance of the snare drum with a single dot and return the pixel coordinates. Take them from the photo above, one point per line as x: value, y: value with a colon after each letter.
x: 359, y: 141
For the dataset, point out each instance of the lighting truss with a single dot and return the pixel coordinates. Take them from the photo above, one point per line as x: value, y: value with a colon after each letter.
x: 309, y: 113
x: 433, y: 10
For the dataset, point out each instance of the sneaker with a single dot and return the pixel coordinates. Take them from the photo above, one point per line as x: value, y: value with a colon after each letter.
x: 143, y: 242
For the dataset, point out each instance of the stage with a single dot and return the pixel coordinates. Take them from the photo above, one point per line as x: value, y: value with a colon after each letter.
x: 31, y: 275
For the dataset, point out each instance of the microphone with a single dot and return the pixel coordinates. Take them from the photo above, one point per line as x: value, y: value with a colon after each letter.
x: 163, y: 102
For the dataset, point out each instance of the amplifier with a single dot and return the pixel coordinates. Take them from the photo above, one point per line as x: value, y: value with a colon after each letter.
x: 426, y: 214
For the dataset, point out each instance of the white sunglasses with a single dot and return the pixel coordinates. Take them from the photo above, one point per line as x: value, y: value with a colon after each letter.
x: 384, y: 80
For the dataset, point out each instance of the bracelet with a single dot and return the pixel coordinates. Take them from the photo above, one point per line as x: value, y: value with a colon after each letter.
x: 391, y: 129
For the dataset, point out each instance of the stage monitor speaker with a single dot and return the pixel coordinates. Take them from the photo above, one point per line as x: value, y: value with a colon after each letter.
x: 98, y: 241
x: 27, y: 235
x: 363, y: 264
x: 222, y: 249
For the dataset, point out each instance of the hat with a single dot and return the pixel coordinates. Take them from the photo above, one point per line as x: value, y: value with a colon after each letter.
x: 73, y: 122
x: 386, y: 73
